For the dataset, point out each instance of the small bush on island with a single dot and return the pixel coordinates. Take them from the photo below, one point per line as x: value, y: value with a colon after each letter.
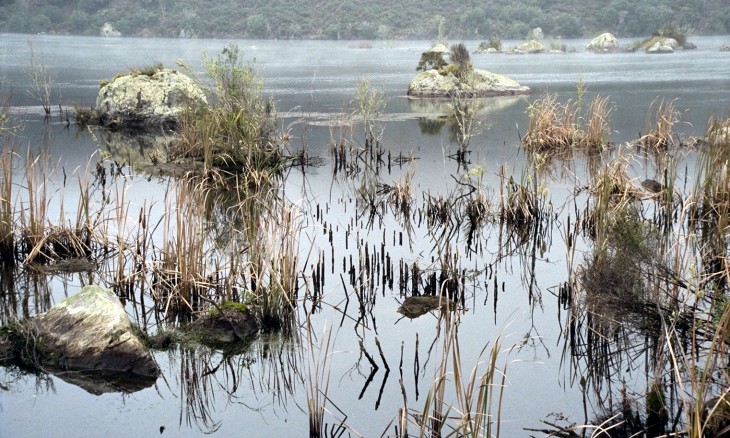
x: 672, y: 30
x: 431, y: 60
x: 459, y: 57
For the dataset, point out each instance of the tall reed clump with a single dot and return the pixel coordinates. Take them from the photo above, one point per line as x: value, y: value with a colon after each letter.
x: 40, y: 79
x: 611, y: 194
x: 274, y: 260
x: 238, y: 131
x: 180, y: 278
x: 710, y: 211
x: 556, y: 127
x: 368, y: 105
x: 7, y: 232
x: 4, y: 104
x: 661, y: 118
x: 477, y: 407
x: 318, y: 378
x: 33, y: 212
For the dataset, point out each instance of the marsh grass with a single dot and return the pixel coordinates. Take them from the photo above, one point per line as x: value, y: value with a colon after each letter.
x: 180, y: 277
x: 33, y: 213
x: 661, y: 119
x: 275, y: 262
x: 522, y: 205
x: 238, y: 132
x: 712, y: 200
x: 367, y: 106
x: 318, y: 377
x: 8, y: 249
x: 40, y: 78
x: 557, y: 128
x: 477, y: 405
x: 611, y: 192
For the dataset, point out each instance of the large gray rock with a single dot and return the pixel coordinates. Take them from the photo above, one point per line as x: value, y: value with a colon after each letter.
x: 481, y: 84
x: 141, y: 100
x: 90, y: 331
x: 603, y: 43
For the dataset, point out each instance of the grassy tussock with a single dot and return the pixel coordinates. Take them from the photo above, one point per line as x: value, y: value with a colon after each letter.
x: 558, y: 127
x: 661, y: 119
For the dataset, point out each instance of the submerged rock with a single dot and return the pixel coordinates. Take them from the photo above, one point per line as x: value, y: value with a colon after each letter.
x: 482, y: 83
x: 229, y: 324
x: 603, y: 43
x: 139, y: 100
x: 416, y: 306
x: 91, y: 331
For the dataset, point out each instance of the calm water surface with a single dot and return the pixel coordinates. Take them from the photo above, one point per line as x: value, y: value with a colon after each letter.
x: 313, y: 84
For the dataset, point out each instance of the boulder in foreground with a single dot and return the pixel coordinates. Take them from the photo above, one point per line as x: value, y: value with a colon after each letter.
x: 91, y: 331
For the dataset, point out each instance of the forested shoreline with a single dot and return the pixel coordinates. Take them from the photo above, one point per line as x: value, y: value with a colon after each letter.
x: 347, y: 19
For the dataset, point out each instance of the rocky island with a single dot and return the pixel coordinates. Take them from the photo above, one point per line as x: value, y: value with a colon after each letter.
x: 146, y: 98
x: 458, y: 78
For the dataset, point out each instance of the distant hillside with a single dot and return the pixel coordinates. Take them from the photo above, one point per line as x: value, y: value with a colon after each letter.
x: 350, y: 19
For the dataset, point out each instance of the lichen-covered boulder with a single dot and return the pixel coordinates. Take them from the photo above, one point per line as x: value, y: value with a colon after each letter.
x: 603, y: 43
x: 138, y: 100
x: 91, y: 331
x: 481, y: 83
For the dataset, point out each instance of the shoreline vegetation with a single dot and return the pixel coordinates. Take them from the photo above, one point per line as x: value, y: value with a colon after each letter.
x: 650, y: 280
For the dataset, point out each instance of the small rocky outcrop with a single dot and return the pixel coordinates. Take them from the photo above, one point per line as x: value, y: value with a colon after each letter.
x: 530, y: 46
x: 659, y: 48
x: 91, y: 331
x: 227, y: 324
x: 659, y: 45
x: 481, y: 83
x: 107, y: 30
x: 603, y: 43
x: 145, y: 100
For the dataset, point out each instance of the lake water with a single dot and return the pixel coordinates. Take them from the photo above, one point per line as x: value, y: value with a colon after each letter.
x: 263, y: 392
